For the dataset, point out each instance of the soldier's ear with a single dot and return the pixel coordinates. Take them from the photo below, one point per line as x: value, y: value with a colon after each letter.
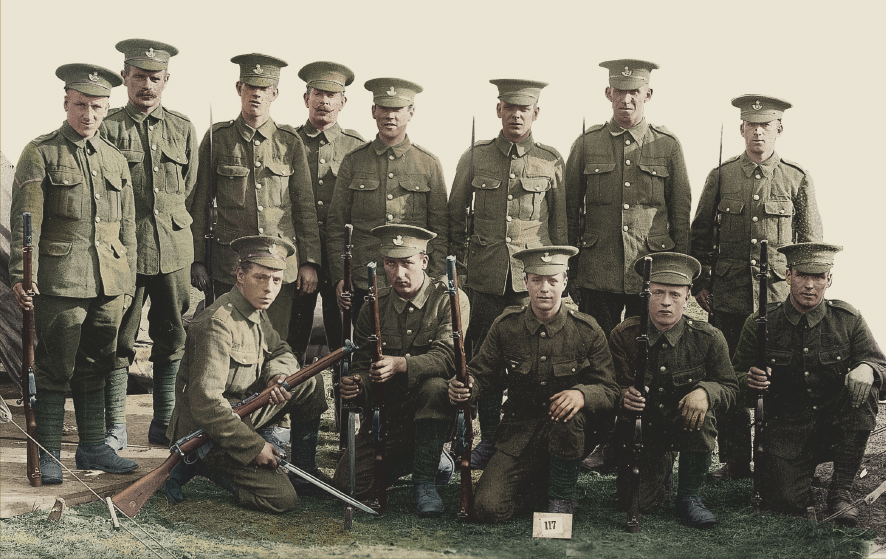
x: 608, y: 93
x: 239, y: 87
x: 498, y: 109
x: 648, y: 94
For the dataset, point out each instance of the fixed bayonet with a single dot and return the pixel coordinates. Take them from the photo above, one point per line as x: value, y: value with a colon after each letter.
x: 289, y: 467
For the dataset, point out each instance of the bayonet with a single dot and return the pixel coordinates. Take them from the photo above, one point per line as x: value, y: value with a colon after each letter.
x: 289, y: 467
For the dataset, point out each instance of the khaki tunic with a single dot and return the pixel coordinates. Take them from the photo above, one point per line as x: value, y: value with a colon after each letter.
x: 774, y: 201
x: 519, y: 202
x: 263, y: 187
x: 382, y: 185
x: 637, y: 198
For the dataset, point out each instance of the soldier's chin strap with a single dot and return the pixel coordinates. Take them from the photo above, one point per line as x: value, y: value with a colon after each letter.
x: 289, y: 467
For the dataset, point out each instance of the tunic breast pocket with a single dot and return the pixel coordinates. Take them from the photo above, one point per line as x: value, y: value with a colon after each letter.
x: 652, y: 183
x: 278, y: 183
x: 243, y: 370
x: 173, y: 161
x: 732, y: 221
x: 685, y: 378
x: 596, y: 174
x: 363, y: 193
x: 114, y: 189
x: 533, y: 204
x: 66, y: 193
x: 231, y: 185
x: 484, y: 189
x: 835, y: 361
x: 414, y: 200
x: 779, y: 218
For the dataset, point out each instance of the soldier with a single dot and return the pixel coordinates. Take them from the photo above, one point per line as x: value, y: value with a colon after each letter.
x: 821, y: 388
x: 161, y: 148
x: 691, y: 383
x: 77, y: 187
x: 558, y: 371
x: 262, y: 180
x: 391, y: 173
x: 326, y: 144
x: 516, y: 199
x: 754, y: 196
x: 416, y: 332
x: 233, y: 351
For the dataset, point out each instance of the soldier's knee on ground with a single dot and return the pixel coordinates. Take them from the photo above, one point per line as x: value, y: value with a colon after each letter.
x: 490, y: 507
x: 278, y: 497
x: 567, y: 440
x: 434, y: 395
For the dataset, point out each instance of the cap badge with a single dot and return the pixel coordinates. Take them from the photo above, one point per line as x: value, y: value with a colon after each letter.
x: 757, y: 106
x: 93, y: 77
x: 627, y: 72
x: 398, y: 240
x: 546, y: 257
x: 275, y: 250
x: 392, y: 92
x: 150, y: 53
x: 258, y: 69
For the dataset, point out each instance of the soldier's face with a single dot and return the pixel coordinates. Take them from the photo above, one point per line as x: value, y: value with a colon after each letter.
x: 406, y: 275
x: 666, y: 304
x: 259, y: 285
x: 324, y: 106
x: 807, y: 290
x: 545, y: 292
x: 144, y: 87
x: 516, y: 120
x: 628, y: 106
x: 392, y: 121
x: 85, y: 112
x: 255, y: 102
x: 759, y: 137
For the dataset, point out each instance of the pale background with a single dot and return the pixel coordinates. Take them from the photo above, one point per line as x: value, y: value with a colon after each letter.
x: 825, y: 58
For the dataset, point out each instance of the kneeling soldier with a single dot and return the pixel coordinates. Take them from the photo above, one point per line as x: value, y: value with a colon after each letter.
x: 690, y: 383
x: 416, y: 332
x: 555, y: 363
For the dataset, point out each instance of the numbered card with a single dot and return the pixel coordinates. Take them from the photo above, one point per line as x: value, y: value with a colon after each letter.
x: 552, y: 525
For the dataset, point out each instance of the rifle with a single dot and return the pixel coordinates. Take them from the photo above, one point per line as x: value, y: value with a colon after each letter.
x: 583, y: 179
x: 35, y: 477
x: 469, y: 207
x: 345, y: 335
x: 716, y: 252
x: 466, y: 502
x: 380, y: 503
x: 211, y: 212
x: 639, y: 385
x: 762, y: 300
x: 191, y: 446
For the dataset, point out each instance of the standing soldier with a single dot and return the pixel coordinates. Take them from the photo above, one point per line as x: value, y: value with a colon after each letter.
x: 753, y: 196
x: 326, y: 144
x: 260, y: 175
x: 77, y: 187
x: 512, y: 199
x: 387, y: 181
x: 161, y: 148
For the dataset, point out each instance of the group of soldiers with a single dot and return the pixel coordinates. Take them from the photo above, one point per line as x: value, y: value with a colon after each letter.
x: 119, y: 204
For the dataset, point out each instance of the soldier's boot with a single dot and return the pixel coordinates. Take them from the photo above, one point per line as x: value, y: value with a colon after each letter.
x: 115, y: 409
x: 560, y: 506
x: 694, y: 512
x: 693, y: 470
x: 217, y: 478
x: 848, y: 514
x: 428, y: 503
x: 49, y: 413
x: 489, y: 415
x: 561, y: 488
x: 847, y: 460
x: 430, y: 434
x: 164, y: 400
x: 481, y: 454
x: 92, y: 452
x: 303, y: 438
x: 178, y: 478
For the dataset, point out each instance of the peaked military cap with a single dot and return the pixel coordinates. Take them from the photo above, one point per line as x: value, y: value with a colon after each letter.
x: 88, y: 79
x: 270, y: 252
x: 259, y: 70
x: 402, y: 241
x: 671, y: 268
x: 327, y: 76
x: 760, y: 108
x: 393, y: 92
x: 519, y: 92
x: 627, y: 73
x: 546, y: 261
x: 810, y: 258
x: 146, y: 54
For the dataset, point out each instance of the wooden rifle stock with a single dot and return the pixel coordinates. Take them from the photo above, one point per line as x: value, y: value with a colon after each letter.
x: 633, y: 525
x: 346, y: 334
x: 35, y: 477
x: 211, y: 214
x: 466, y: 501
x: 133, y: 498
x: 380, y: 502
x: 757, y: 457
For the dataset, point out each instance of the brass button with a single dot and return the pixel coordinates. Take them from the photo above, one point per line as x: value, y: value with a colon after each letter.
x: 390, y: 217
x: 753, y: 241
x: 258, y: 164
x: 153, y: 147
x: 65, y: 181
x: 805, y: 350
x: 409, y: 331
x: 755, y: 219
x: 156, y: 189
x: 94, y: 173
x: 507, y: 239
x: 156, y: 169
x: 627, y: 183
x: 261, y: 229
x: 806, y: 374
x: 320, y: 182
x: 362, y: 186
x: 322, y: 161
x: 627, y: 206
x: 156, y: 212
x: 261, y: 208
x: 510, y: 196
x: 97, y: 196
x: 543, y: 358
x: 508, y: 218
x: 258, y: 185
x: 627, y: 142
x: 97, y: 243
x: 753, y: 262
x: 256, y: 142
x: 390, y: 175
x: 150, y: 127
x: 756, y: 196
x: 319, y: 202
x: 391, y: 157
x: 98, y: 219
x: 390, y: 196
x: 544, y: 334
x: 625, y: 227
x: 513, y: 176
x: 627, y: 161
x: 408, y: 355
x: 756, y: 176
x: 663, y: 369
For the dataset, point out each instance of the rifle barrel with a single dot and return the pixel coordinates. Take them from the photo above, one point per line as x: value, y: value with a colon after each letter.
x: 32, y: 466
x: 633, y: 523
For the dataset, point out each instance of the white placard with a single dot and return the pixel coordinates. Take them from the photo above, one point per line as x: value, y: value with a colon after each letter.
x: 552, y: 525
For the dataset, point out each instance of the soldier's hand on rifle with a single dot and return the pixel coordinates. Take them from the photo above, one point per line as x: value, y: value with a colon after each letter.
x: 199, y: 276
x: 385, y: 369
x: 633, y: 401
x: 25, y: 301
x: 350, y: 387
x: 269, y: 457
x: 704, y: 300
x: 458, y: 392
x: 694, y: 406
x: 565, y: 404
x: 858, y: 382
x: 757, y: 379
x: 278, y: 394
x: 306, y: 283
x: 343, y: 303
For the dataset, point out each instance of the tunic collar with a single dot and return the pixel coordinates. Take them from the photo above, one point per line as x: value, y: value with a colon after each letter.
x: 813, y: 317
x: 247, y: 132
x: 672, y: 335
x: 380, y: 147
x: 638, y: 131
x: 332, y: 133
x: 418, y: 300
x: 138, y: 116
x: 243, y: 306
x: 767, y: 167
x: 75, y: 138
x: 522, y: 147
x: 533, y: 324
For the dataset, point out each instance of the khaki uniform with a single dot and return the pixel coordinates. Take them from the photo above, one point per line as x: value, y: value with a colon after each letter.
x: 536, y: 360
x: 232, y: 351
x: 420, y: 330
x: 262, y: 182
x: 382, y: 185
x: 809, y: 418
x: 79, y: 193
x: 690, y: 355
